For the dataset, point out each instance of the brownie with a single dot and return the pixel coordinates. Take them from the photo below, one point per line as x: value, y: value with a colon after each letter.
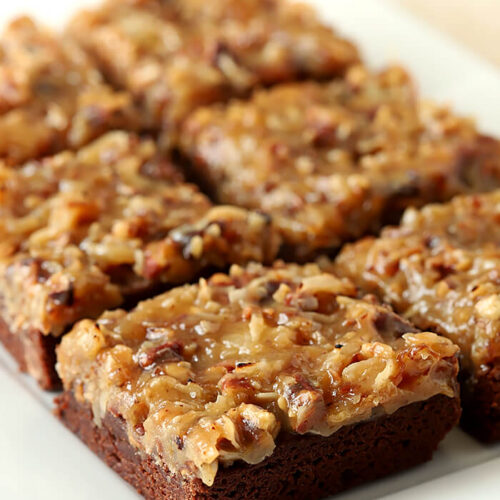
x: 301, y: 467
x: 86, y: 231
x: 51, y: 95
x: 34, y: 353
x: 177, y: 55
x: 441, y: 269
x: 334, y: 161
x: 215, y: 383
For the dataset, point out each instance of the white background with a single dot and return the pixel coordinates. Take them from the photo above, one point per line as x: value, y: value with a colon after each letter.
x: 40, y: 460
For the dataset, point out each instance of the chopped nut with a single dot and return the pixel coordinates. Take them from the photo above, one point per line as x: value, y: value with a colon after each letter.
x: 196, y: 247
x: 489, y: 307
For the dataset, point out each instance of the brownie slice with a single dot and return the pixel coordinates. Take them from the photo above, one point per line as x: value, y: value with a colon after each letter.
x: 86, y: 231
x: 51, y: 96
x: 180, y: 54
x: 441, y: 269
x: 264, y: 383
x: 333, y: 161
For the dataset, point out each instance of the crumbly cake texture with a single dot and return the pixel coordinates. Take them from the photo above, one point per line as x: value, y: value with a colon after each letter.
x: 211, y: 374
x: 51, y: 96
x: 306, y: 466
x: 441, y: 270
x: 83, y: 232
x: 176, y: 55
x: 332, y: 161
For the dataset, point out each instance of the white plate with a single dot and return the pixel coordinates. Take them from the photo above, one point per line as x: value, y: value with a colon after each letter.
x: 40, y: 460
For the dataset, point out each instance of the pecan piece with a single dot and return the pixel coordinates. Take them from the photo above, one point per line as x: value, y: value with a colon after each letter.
x: 63, y: 297
x: 157, y: 354
x: 305, y: 403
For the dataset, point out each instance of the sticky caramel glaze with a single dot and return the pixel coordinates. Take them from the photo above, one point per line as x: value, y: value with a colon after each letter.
x: 333, y: 161
x: 179, y: 54
x: 51, y: 95
x: 207, y: 374
x: 80, y: 232
x: 440, y: 269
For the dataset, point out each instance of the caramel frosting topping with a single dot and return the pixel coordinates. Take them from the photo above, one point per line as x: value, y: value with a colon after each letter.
x: 176, y: 55
x: 81, y: 232
x: 51, y: 95
x: 333, y: 161
x: 440, y: 269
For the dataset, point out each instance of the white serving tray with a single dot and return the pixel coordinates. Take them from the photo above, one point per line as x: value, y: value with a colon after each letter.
x: 41, y: 460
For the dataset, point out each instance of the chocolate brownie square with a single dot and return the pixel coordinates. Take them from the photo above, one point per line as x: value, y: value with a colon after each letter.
x: 440, y: 269
x: 264, y: 383
x: 334, y: 161
x: 175, y: 56
x: 51, y: 95
x: 86, y: 231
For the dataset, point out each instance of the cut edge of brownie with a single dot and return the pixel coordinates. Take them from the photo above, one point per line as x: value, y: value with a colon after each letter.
x: 35, y: 354
x: 481, y: 404
x: 302, y: 466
